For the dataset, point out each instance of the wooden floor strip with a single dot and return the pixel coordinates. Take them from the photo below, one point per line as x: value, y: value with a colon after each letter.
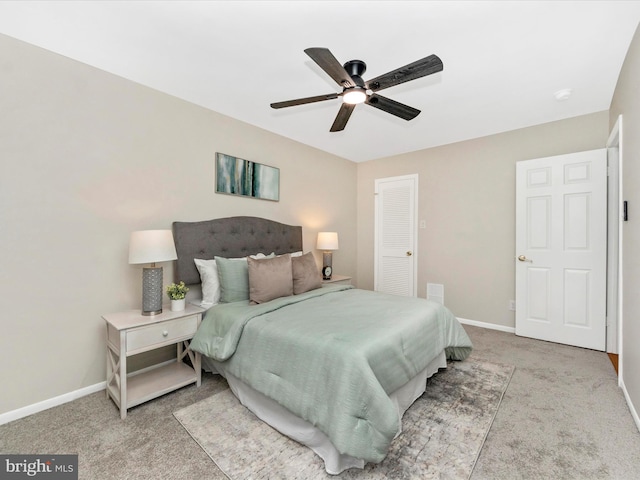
x: 614, y: 360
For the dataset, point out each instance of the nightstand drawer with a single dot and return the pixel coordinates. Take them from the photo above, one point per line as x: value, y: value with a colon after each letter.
x: 165, y: 332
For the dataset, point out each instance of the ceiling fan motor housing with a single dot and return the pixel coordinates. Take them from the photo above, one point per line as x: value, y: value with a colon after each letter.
x: 355, y: 69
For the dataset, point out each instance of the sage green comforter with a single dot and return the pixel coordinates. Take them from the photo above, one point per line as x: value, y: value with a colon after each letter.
x: 332, y: 356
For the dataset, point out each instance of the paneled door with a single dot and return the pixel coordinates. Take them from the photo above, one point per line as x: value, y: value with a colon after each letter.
x: 561, y: 248
x: 395, y: 235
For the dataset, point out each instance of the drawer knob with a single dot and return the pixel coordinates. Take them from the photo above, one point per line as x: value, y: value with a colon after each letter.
x: 165, y: 333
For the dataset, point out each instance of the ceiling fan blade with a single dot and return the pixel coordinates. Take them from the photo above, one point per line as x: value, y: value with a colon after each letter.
x: 302, y: 101
x: 391, y: 106
x: 420, y: 68
x: 327, y: 62
x: 343, y: 117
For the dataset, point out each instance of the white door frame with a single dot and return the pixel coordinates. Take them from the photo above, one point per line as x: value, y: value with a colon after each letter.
x: 614, y: 240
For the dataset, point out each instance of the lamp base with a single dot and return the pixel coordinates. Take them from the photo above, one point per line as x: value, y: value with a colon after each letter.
x: 326, y: 265
x: 151, y: 291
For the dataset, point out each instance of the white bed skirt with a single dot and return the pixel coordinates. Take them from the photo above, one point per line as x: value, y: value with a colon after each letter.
x: 302, y: 431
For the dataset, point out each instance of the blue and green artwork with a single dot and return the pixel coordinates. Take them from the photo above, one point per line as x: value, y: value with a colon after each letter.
x: 235, y: 176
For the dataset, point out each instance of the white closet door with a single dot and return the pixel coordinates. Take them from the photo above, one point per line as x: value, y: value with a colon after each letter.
x: 396, y: 235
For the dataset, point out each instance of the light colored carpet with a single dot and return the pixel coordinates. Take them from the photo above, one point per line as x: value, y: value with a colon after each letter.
x: 443, y: 432
x: 563, y: 417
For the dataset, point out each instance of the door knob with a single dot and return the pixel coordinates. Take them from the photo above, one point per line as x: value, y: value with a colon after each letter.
x: 409, y: 253
x: 522, y: 258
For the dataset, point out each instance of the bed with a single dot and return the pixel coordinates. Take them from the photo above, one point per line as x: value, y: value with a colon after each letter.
x: 331, y: 366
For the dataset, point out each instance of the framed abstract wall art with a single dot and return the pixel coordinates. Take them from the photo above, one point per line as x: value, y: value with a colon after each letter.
x: 235, y: 176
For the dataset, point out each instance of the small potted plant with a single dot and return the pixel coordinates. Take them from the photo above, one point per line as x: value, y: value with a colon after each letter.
x: 177, y: 293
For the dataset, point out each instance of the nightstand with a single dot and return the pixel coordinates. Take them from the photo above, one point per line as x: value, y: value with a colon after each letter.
x: 130, y: 333
x: 338, y: 280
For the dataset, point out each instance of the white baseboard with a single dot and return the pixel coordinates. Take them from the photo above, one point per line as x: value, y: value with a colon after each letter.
x: 634, y: 413
x: 67, y: 397
x: 51, y: 402
x: 491, y: 326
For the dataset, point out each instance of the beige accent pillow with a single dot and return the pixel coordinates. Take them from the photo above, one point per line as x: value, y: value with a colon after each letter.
x: 269, y: 278
x: 306, y: 275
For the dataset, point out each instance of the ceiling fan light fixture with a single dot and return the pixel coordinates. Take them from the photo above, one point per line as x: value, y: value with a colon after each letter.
x: 354, y: 96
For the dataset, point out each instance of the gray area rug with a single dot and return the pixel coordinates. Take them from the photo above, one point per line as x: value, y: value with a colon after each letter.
x: 443, y: 432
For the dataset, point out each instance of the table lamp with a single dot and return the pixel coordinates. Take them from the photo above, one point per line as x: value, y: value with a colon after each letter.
x: 151, y: 246
x: 327, y: 241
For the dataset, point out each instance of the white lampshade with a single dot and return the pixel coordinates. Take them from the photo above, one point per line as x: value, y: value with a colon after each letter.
x: 151, y: 246
x: 327, y: 241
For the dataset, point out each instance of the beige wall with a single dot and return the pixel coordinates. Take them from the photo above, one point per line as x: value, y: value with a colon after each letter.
x: 626, y: 102
x: 87, y: 158
x: 467, y: 199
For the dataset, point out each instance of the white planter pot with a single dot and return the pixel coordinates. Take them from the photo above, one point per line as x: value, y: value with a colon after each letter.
x: 177, y: 305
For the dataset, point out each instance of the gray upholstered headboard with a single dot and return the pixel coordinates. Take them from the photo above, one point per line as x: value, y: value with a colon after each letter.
x: 230, y: 237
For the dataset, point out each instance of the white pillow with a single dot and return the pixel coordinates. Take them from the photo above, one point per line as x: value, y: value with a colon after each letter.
x: 210, y: 283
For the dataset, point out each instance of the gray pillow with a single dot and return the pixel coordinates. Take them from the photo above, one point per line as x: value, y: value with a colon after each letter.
x: 234, y: 279
x: 269, y: 278
x: 306, y: 275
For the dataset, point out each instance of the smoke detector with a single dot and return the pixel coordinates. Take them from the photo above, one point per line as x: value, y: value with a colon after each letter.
x: 563, y: 94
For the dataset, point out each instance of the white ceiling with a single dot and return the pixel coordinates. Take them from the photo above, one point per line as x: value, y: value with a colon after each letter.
x: 503, y: 60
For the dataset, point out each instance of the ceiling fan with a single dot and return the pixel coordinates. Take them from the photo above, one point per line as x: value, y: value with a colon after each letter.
x: 355, y: 90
